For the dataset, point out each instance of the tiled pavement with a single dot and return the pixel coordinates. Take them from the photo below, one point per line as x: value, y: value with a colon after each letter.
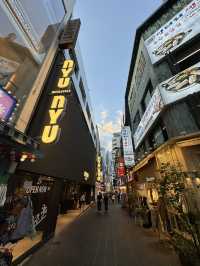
x: 98, y: 239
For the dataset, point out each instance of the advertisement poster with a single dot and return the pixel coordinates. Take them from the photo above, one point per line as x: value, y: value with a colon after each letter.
x: 7, y: 104
x: 154, y: 108
x: 127, y: 147
x: 181, y: 85
x: 173, y: 89
x: 181, y: 28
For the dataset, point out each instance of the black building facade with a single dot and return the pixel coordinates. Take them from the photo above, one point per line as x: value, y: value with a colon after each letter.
x: 66, y: 168
x: 74, y: 152
x: 52, y: 167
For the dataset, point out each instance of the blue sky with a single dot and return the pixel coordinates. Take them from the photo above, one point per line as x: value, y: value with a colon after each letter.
x: 106, y: 41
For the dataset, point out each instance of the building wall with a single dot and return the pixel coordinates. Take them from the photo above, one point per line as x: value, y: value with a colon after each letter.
x: 28, y: 48
x: 80, y: 77
x: 178, y: 119
x: 137, y: 89
x: 29, y: 54
x: 75, y: 151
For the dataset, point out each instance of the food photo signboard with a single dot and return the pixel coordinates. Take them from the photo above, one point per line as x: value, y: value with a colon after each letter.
x: 181, y: 85
x: 173, y: 89
x: 153, y: 110
x: 177, y: 31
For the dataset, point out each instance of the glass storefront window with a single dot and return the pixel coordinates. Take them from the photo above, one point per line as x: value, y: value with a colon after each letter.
x: 24, y: 214
x: 24, y: 43
x: 50, y: 12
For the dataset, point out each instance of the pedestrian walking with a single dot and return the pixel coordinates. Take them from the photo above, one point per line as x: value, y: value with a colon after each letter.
x: 76, y: 199
x: 123, y: 200
x: 82, y: 201
x: 118, y: 198
x: 113, y: 198
x: 105, y: 198
x: 147, y: 223
x: 99, y: 200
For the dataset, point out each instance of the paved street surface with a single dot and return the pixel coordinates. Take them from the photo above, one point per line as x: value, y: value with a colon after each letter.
x: 104, y: 240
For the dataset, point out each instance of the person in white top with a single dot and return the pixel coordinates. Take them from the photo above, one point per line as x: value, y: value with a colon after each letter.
x: 113, y: 198
x: 82, y: 200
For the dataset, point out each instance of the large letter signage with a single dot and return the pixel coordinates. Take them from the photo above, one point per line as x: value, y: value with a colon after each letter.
x: 51, y: 131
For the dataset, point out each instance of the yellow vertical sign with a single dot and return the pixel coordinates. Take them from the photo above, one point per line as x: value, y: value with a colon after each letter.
x: 51, y: 131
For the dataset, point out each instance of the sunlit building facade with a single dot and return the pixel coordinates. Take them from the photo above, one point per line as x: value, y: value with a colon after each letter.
x: 163, y: 96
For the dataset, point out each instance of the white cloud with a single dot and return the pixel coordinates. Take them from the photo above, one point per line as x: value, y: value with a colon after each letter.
x: 103, y: 115
x: 108, y: 127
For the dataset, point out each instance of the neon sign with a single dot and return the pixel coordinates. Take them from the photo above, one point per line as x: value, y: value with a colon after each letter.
x: 51, y: 131
x: 7, y: 104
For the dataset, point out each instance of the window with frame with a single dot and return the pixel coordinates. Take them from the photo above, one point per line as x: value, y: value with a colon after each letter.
x: 140, y: 70
x: 88, y: 112
x: 81, y: 86
x: 147, y: 96
x: 24, y: 46
x: 136, y: 121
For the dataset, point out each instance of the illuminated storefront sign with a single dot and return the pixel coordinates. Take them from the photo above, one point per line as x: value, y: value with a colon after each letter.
x: 99, y: 169
x: 51, y: 131
x: 121, y: 167
x: 7, y: 105
x: 86, y: 175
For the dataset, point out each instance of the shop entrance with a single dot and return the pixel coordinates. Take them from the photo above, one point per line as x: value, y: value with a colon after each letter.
x: 30, y: 211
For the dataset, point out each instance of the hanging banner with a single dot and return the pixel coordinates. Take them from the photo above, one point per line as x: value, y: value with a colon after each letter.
x: 173, y: 89
x: 177, y: 31
x: 154, y: 108
x: 181, y: 85
x: 127, y: 147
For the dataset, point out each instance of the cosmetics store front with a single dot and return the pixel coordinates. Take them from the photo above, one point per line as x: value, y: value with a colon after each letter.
x: 28, y: 216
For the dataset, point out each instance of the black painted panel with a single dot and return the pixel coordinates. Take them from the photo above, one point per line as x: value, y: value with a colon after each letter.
x: 74, y: 153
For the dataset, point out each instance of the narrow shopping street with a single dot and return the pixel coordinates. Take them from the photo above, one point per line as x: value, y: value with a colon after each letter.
x: 99, y: 102
x: 99, y: 239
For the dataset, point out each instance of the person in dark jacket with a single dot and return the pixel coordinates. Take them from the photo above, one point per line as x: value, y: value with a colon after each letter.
x: 147, y: 214
x: 118, y: 197
x: 105, y: 199
x: 99, y: 200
